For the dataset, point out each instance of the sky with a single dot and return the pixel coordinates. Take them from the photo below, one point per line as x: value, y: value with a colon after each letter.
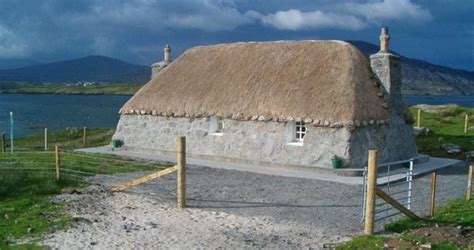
x: 438, y: 31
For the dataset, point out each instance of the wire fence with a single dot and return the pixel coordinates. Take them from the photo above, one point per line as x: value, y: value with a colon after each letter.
x: 420, y: 195
x: 73, y: 168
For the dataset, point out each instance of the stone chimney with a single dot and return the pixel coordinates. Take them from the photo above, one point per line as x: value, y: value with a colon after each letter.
x: 167, y: 54
x: 387, y: 69
x: 157, y: 67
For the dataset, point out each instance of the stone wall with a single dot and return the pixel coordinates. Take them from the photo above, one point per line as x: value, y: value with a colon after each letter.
x: 249, y: 140
x: 266, y: 141
x: 394, y: 142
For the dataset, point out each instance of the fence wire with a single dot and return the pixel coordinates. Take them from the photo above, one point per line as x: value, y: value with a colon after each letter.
x: 74, y: 166
x: 414, y: 193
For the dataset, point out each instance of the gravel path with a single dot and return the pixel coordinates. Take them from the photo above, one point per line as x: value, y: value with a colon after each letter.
x: 227, y: 209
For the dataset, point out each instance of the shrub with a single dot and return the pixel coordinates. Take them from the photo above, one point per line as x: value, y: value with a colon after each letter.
x: 116, y: 143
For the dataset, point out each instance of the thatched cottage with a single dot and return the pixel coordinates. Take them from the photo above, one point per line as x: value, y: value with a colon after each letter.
x: 284, y: 102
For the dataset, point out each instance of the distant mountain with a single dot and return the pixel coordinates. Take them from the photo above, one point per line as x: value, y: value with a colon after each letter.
x: 16, y: 63
x: 89, y: 68
x: 424, y: 78
x: 418, y: 77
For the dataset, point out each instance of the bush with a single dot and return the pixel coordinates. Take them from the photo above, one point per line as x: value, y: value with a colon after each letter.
x: 116, y: 143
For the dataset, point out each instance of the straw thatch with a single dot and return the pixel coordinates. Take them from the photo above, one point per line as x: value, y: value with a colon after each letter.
x: 325, y: 82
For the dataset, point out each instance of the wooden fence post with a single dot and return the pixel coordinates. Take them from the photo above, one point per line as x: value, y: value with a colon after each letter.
x: 371, y: 186
x: 181, y: 175
x: 4, y: 143
x: 432, y: 195
x: 469, y: 184
x: 84, y: 136
x: 418, y: 119
x: 58, y: 161
x: 466, y: 119
x: 45, y: 139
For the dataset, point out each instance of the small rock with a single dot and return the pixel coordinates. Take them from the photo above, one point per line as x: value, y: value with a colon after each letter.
x: 93, y: 243
x: 419, y: 131
x: 425, y: 246
x: 469, y: 154
x: 451, y: 148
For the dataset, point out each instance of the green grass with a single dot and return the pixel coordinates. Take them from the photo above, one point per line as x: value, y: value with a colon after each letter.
x: 446, y: 126
x: 455, y: 212
x: 116, y: 89
x: 66, y: 139
x: 29, y: 216
x: 28, y: 182
x: 364, y: 242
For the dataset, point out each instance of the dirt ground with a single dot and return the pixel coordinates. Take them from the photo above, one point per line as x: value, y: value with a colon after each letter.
x: 226, y: 209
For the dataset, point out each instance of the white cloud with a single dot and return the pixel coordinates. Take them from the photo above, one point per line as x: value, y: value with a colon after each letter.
x: 349, y: 16
x: 297, y: 20
x: 10, y: 45
x: 389, y: 10
x: 207, y: 15
x: 213, y: 17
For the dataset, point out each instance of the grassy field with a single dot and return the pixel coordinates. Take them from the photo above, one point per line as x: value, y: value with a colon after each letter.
x: 446, y: 126
x: 115, y: 89
x: 28, y: 181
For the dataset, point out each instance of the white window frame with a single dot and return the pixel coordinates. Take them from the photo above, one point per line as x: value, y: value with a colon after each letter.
x: 295, y: 133
x: 216, y: 126
x: 300, y: 131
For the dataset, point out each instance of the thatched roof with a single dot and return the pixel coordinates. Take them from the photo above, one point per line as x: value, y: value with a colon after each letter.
x: 323, y: 82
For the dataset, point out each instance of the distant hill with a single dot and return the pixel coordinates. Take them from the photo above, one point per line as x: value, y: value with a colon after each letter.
x: 424, y: 78
x: 89, y: 68
x: 418, y: 77
x: 16, y: 63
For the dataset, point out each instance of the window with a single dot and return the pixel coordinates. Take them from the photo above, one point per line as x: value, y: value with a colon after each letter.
x: 295, y: 133
x: 300, y: 131
x: 216, y: 126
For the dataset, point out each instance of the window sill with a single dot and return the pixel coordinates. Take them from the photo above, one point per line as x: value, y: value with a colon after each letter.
x: 295, y: 143
x: 216, y: 134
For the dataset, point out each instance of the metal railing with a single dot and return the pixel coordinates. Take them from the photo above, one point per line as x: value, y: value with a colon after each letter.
x: 396, y: 181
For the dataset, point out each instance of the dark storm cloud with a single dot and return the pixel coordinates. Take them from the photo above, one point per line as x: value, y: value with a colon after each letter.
x: 136, y: 30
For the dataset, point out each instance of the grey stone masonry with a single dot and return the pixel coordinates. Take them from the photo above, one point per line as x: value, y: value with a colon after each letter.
x: 266, y: 142
x: 245, y: 140
x: 387, y: 70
